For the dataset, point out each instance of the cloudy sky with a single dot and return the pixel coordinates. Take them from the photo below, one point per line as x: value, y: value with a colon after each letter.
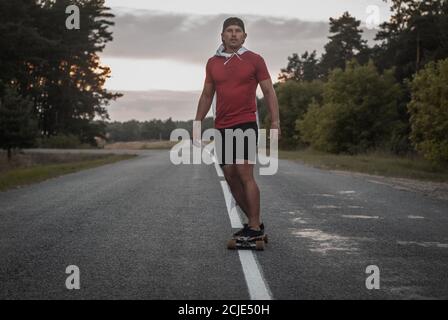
x: 160, y: 48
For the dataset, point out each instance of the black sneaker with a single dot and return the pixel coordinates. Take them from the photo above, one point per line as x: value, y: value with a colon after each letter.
x: 250, y: 233
x: 240, y: 232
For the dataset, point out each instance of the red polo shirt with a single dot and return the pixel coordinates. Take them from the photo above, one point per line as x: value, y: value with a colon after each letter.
x: 236, y: 84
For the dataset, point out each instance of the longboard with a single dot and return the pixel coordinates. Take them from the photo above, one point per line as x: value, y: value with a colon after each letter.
x: 257, y: 243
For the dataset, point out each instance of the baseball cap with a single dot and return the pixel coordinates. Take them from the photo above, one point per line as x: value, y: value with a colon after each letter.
x: 233, y: 21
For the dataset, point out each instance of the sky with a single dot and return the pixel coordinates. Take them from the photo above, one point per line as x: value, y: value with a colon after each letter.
x: 160, y: 48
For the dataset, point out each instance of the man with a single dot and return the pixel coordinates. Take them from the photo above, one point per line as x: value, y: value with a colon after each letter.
x: 234, y: 74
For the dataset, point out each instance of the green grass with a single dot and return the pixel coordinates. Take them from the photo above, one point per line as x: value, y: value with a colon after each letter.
x: 374, y: 163
x: 142, y: 145
x: 27, y: 175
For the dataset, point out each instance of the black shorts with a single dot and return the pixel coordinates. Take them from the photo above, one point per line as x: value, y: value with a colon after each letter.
x: 244, y: 148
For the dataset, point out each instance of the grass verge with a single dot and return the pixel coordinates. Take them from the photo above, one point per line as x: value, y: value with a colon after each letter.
x: 142, y: 145
x: 20, y: 176
x: 374, y: 163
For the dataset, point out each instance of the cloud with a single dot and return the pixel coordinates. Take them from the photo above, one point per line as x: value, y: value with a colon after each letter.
x: 156, y: 35
x: 155, y: 104
x: 146, y: 34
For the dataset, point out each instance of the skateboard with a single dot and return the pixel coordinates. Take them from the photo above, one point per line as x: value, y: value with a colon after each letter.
x: 257, y: 243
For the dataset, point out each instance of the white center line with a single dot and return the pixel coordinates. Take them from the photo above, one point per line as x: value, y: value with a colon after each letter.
x: 415, y: 217
x: 256, y: 284
x: 258, y: 289
x: 350, y: 216
x: 235, y: 220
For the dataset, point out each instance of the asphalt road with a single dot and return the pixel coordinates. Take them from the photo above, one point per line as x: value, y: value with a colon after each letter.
x: 147, y: 229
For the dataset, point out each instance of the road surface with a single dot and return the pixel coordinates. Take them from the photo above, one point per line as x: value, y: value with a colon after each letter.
x: 145, y: 228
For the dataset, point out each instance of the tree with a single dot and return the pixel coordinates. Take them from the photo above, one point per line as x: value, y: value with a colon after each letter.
x: 58, y: 68
x: 20, y: 39
x: 17, y: 126
x: 294, y: 98
x: 358, y: 113
x: 72, y: 74
x: 416, y: 34
x: 429, y: 111
x: 345, y: 43
x: 304, y: 68
x: 131, y: 130
x: 149, y: 130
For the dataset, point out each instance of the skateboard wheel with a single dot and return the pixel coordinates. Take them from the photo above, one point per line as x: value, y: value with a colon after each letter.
x: 259, y: 245
x: 231, y: 244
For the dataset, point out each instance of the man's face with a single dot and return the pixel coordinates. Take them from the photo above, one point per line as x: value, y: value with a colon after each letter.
x: 233, y: 37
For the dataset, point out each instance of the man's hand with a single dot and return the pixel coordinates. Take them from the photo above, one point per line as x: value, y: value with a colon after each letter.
x: 197, y: 139
x: 276, y: 125
x: 205, y: 102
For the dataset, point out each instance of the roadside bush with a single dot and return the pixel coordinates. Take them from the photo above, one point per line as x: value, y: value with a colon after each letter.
x: 358, y: 114
x: 429, y: 111
x: 294, y: 98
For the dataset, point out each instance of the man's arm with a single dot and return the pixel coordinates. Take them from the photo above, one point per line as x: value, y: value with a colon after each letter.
x: 272, y: 102
x: 205, y: 101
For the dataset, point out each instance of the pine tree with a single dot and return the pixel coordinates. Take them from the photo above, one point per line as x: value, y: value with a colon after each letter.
x: 303, y: 68
x: 59, y: 69
x: 345, y: 43
x: 17, y: 126
x: 73, y: 74
x: 416, y: 34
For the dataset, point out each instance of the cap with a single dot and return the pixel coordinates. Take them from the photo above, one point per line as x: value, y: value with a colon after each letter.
x: 233, y: 21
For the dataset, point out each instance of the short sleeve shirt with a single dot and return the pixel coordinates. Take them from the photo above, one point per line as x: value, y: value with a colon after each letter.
x: 235, y: 84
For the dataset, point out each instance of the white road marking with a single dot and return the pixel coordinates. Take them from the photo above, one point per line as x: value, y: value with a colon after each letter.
x: 235, y: 220
x: 322, y: 195
x: 379, y: 182
x: 217, y: 166
x: 416, y: 217
x: 424, y: 244
x: 324, y: 243
x: 258, y: 289
x: 297, y: 211
x: 299, y: 220
x: 256, y: 284
x: 346, y: 192
x: 326, y: 207
x: 359, y: 216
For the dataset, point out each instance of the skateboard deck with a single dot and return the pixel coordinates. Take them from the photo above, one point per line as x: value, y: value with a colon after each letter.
x: 257, y: 243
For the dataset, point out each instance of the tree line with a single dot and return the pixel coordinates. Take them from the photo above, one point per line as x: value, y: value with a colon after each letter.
x: 157, y: 129
x: 154, y: 129
x: 392, y: 96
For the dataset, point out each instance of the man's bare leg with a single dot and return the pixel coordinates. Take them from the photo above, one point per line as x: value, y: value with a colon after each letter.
x: 236, y: 186
x: 251, y: 192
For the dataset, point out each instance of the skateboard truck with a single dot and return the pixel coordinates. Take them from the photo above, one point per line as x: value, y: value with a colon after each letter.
x: 257, y: 243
